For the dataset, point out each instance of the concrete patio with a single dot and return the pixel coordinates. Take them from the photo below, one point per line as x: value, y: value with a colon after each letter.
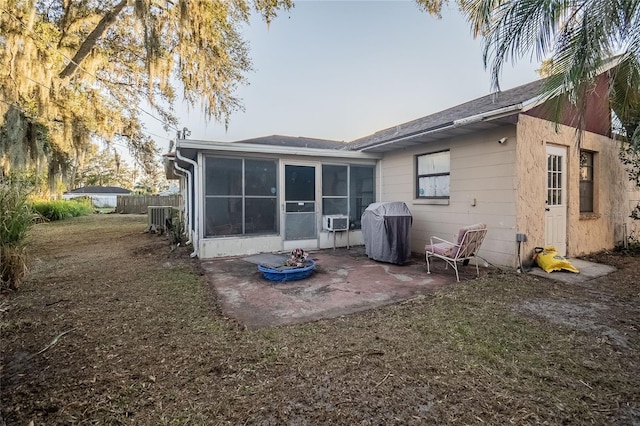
x: 588, y: 271
x: 345, y: 281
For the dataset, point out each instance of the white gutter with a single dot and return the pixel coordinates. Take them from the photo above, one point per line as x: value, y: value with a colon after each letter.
x: 194, y: 185
x: 490, y: 115
x: 187, y: 175
x: 403, y: 138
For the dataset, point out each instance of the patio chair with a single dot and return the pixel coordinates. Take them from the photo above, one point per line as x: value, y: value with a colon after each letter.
x: 469, y: 241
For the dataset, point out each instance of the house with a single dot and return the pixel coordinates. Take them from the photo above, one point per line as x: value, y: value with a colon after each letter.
x: 101, y: 196
x: 498, y: 160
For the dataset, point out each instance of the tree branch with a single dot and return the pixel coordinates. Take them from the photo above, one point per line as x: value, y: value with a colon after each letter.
x: 91, y: 40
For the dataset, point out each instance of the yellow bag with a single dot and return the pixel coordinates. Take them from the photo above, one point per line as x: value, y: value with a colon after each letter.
x: 550, y: 260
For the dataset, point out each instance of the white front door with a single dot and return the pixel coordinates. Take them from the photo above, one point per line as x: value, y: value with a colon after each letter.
x: 556, y: 205
x: 300, y: 207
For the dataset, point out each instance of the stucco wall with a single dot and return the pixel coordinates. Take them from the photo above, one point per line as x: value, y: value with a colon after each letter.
x: 531, y: 180
x: 611, y: 205
x: 613, y: 195
x: 482, y: 190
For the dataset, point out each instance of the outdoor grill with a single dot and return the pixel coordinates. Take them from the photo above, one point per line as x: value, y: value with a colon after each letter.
x: 386, y: 228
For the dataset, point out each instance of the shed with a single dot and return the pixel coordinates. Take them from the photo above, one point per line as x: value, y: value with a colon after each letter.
x: 101, y: 196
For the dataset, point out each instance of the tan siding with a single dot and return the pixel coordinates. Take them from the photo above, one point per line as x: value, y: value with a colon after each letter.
x: 481, y: 169
x: 489, y: 197
x: 398, y: 170
x: 492, y: 183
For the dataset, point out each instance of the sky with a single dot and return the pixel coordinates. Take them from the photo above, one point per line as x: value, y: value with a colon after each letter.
x: 345, y: 69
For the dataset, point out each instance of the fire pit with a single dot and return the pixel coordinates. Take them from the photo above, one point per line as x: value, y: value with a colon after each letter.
x: 288, y: 273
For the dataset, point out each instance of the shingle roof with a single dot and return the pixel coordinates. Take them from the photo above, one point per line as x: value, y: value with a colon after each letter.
x: 296, y: 141
x: 99, y: 190
x: 481, y: 105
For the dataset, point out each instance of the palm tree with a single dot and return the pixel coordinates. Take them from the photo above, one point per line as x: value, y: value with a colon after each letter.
x: 578, y: 38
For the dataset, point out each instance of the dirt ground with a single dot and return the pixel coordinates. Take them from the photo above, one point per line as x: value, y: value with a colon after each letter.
x: 114, y: 327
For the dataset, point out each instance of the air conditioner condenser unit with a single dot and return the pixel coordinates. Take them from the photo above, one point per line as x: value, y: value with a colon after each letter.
x: 157, y: 218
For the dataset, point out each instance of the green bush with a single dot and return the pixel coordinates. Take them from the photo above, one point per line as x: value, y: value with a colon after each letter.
x: 176, y: 228
x: 16, y: 218
x: 63, y: 209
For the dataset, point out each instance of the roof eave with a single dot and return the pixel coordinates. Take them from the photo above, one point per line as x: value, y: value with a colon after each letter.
x: 270, y: 149
x: 443, y: 130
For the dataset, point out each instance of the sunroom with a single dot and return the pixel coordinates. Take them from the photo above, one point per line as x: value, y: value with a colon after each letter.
x: 258, y: 196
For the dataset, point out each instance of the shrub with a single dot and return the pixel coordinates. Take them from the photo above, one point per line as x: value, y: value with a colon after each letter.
x: 63, y: 209
x: 13, y: 266
x: 631, y: 246
x: 176, y: 228
x: 16, y: 218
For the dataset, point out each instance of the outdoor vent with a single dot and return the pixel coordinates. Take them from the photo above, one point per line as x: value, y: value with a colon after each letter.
x: 335, y: 223
x: 157, y: 217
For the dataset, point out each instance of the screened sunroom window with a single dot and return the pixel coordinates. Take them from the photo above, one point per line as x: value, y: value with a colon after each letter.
x: 347, y: 190
x: 240, y: 196
x: 362, y: 189
x: 433, y: 175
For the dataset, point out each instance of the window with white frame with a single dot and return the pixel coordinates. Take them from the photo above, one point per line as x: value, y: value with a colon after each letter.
x: 432, y: 175
x: 347, y: 190
x: 586, y: 181
x: 241, y: 196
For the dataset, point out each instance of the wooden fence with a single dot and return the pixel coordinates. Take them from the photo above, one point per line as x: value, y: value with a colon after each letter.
x: 137, y: 204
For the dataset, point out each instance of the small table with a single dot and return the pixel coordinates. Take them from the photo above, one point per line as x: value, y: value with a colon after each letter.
x: 334, y: 238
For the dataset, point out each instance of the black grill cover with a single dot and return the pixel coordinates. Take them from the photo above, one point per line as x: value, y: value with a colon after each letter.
x: 386, y: 228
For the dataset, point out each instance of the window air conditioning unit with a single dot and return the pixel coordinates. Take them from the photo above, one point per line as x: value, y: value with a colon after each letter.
x: 335, y: 223
x: 157, y: 218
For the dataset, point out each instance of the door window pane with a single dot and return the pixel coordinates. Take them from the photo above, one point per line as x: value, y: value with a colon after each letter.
x: 554, y: 180
x: 300, y: 183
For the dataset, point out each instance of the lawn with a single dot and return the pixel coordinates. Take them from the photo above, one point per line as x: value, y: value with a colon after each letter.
x: 113, y: 327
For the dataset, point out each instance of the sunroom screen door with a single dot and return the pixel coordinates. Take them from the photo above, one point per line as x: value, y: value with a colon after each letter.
x: 300, y: 205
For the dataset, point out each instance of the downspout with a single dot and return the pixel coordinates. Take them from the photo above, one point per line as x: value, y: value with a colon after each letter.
x: 381, y: 183
x: 187, y: 174
x: 194, y: 185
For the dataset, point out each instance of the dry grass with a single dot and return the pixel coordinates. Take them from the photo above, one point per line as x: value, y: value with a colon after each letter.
x: 146, y: 344
x: 13, y: 266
